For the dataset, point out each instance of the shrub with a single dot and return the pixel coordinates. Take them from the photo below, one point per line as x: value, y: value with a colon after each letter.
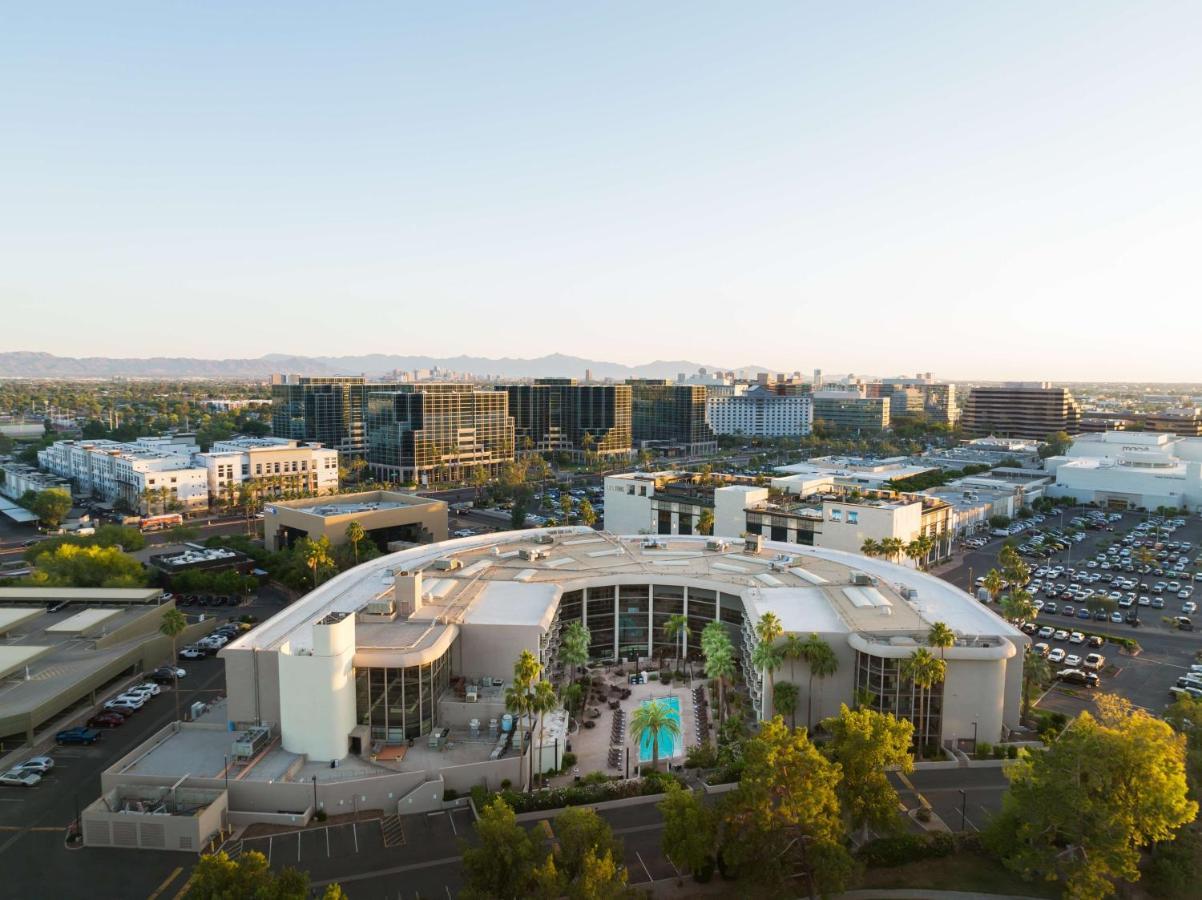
x: 506, y: 784
x: 923, y: 814
x: 653, y: 676
x: 321, y: 815
x: 999, y: 752
x: 984, y: 750
x: 1012, y: 752
x: 479, y: 796
x: 905, y: 848
x: 655, y: 782
x: 569, y: 760
x: 701, y: 756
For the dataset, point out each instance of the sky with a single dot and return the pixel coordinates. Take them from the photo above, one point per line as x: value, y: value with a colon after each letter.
x: 979, y: 190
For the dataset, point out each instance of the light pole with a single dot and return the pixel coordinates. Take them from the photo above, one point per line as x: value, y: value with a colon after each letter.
x: 963, y: 807
x: 314, y: 795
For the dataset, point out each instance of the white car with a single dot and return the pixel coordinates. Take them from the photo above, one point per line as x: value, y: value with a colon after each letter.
x: 1046, y: 631
x: 1076, y: 638
x: 39, y: 765
x: 20, y: 779
x: 1056, y: 655
x: 1094, y: 661
x: 1060, y: 635
x: 1188, y: 607
x: 1072, y: 660
x: 147, y: 687
x: 191, y: 653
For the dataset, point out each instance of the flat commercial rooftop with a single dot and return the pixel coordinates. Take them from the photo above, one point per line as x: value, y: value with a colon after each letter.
x: 14, y: 616
x: 16, y: 513
x: 17, y: 656
x: 78, y: 595
x: 516, y: 577
x: 83, y: 621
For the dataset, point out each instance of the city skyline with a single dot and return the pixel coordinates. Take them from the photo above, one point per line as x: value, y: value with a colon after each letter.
x: 984, y: 193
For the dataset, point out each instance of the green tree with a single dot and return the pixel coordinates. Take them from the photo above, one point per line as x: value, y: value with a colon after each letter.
x: 822, y: 663
x: 892, y: 548
x: 870, y: 548
x: 85, y: 565
x: 766, y: 659
x: 1056, y: 444
x: 51, y: 506
x: 519, y: 696
x: 719, y: 660
x: 941, y: 636
x: 316, y: 555
x: 574, y: 645
x: 925, y: 671
x: 588, y: 515
x: 501, y: 863
x: 993, y: 583
x: 355, y: 534
x: 1081, y: 812
x: 784, y: 818
x: 579, y: 831
x: 1036, y: 674
x: 218, y: 877
x: 479, y: 481
x: 705, y: 522
x: 676, y: 629
x: 173, y: 624
x: 784, y: 699
x: 655, y: 720
x: 565, y: 506
x: 517, y: 515
x: 866, y: 743
x: 542, y: 701
x: 690, y: 830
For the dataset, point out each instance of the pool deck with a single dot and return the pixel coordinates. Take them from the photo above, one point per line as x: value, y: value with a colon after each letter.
x: 592, y: 745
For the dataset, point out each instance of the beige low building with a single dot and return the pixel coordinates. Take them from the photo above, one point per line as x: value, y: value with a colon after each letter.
x: 387, y: 518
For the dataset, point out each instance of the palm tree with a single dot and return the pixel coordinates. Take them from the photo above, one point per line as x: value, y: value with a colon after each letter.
x: 354, y: 534
x: 942, y: 637
x: 891, y: 548
x: 914, y: 551
x: 767, y: 659
x: 574, y: 644
x: 655, y: 719
x: 823, y: 663
x: 677, y: 629
x: 720, y: 666
x: 791, y: 650
x: 870, y: 548
x: 1019, y: 606
x: 542, y: 701
x: 173, y: 624
x: 925, y: 671
x: 1036, y: 673
x: 993, y: 583
x: 784, y: 700
x: 316, y: 556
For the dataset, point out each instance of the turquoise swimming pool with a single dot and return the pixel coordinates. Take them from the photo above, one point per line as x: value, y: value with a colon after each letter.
x: 669, y: 745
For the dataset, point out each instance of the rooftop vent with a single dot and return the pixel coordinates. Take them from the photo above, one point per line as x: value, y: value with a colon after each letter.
x: 448, y: 564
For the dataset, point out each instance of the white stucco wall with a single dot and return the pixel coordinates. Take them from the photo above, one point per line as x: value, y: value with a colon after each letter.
x: 317, y: 693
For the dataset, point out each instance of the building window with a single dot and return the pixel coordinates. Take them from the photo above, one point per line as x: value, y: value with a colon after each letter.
x: 836, y: 515
x: 853, y: 517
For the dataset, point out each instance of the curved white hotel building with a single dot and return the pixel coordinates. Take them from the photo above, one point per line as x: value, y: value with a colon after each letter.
x: 424, y: 639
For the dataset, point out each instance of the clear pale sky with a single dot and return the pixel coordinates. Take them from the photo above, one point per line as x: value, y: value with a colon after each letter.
x: 982, y: 190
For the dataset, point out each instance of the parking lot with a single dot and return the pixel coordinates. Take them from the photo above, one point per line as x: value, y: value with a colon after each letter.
x: 1165, y: 652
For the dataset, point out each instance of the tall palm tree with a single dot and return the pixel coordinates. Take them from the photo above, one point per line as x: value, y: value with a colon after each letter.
x: 822, y: 663
x: 720, y: 666
x: 676, y: 629
x: 172, y: 625
x: 354, y: 534
x: 925, y: 671
x: 1019, y: 606
x: 767, y: 659
x: 914, y: 551
x: 1036, y: 673
x: 941, y: 636
x: 655, y: 719
x: 792, y: 650
x: 542, y: 701
x: 993, y: 583
x: 573, y: 646
x: 316, y: 557
x: 891, y: 548
x: 784, y: 700
x: 870, y: 548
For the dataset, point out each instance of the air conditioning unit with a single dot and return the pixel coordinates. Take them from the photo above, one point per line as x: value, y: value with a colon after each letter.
x: 653, y: 544
x: 530, y: 553
x: 779, y: 566
x: 862, y: 578
x: 717, y: 545
x: 753, y: 543
x: 909, y: 593
x: 448, y: 564
x: 544, y: 539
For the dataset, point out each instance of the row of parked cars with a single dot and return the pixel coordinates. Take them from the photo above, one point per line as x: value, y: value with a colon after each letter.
x: 214, y: 641
x: 1189, y: 684
x: 28, y: 773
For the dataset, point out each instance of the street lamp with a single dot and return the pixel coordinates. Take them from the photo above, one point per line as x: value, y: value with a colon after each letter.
x: 963, y: 807
x: 315, y: 795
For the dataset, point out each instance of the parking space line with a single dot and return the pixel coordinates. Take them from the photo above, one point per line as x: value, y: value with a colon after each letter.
x: 298, y: 845
x: 327, y: 831
x: 270, y: 845
x: 451, y: 819
x: 166, y: 881
x: 639, y: 857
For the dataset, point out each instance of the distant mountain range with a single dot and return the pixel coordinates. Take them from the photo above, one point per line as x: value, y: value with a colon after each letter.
x: 22, y: 364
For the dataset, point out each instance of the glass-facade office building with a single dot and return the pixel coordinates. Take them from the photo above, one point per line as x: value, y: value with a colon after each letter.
x: 329, y: 410
x: 557, y: 415
x: 434, y: 433
x: 673, y: 414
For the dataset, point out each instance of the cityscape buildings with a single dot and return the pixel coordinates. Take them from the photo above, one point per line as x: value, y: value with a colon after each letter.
x: 761, y: 412
x: 1030, y: 410
x: 671, y: 417
x: 558, y: 415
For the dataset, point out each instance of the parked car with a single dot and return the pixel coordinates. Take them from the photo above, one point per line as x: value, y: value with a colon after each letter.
x: 19, y: 779
x: 128, y: 705
x: 1041, y: 648
x: 1078, y: 676
x: 39, y: 765
x: 77, y: 735
x: 191, y: 652
x: 108, y: 719
x: 1056, y: 655
x: 1094, y: 661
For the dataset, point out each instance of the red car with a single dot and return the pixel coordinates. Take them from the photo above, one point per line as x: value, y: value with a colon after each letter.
x: 106, y: 720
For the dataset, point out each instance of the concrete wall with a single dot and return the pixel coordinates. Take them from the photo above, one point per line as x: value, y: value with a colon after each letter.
x: 730, y: 505
x: 102, y: 828
x: 489, y: 773
x: 244, y: 669
x: 626, y: 513
x: 493, y: 649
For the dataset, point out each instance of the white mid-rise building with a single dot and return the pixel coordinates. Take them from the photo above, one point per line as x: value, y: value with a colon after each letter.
x: 1130, y: 470
x: 760, y: 412
x: 278, y: 465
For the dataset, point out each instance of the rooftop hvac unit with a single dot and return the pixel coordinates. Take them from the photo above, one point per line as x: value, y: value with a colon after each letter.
x: 544, y: 539
x: 753, y: 543
x: 449, y: 564
x: 653, y: 544
x: 717, y: 545
x: 779, y: 566
x: 909, y: 593
x: 861, y: 578
x: 532, y: 553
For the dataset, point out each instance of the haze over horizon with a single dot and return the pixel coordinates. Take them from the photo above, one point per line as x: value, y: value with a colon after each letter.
x: 981, y: 192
